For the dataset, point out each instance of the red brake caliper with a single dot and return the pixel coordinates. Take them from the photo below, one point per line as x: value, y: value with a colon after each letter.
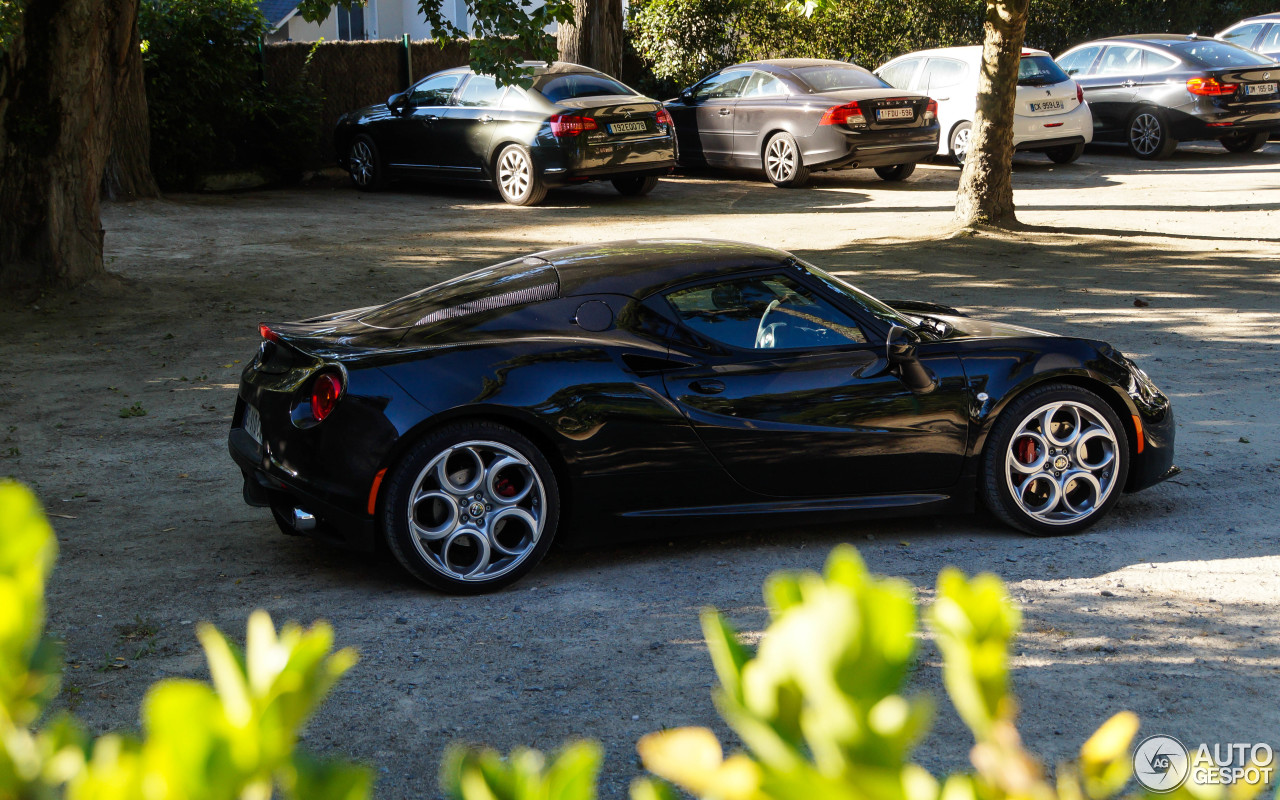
x: 505, y: 488
x: 1027, y: 451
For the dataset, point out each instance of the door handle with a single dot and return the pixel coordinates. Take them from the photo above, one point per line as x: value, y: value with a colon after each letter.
x: 429, y: 118
x: 486, y: 119
x: 941, y: 99
x: 1129, y: 84
x: 707, y: 386
x: 724, y: 112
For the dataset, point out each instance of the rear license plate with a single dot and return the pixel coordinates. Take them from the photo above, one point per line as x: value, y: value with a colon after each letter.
x: 895, y: 113
x: 1047, y: 105
x: 1260, y: 88
x: 253, y: 423
x: 628, y: 127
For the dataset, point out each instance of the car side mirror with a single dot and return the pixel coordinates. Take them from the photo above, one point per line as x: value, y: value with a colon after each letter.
x: 398, y: 102
x: 900, y: 352
x: 686, y: 96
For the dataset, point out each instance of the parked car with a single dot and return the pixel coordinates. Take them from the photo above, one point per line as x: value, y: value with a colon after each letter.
x: 1050, y: 115
x: 574, y: 125
x: 794, y: 116
x: 1260, y: 34
x: 611, y: 391
x: 1154, y: 90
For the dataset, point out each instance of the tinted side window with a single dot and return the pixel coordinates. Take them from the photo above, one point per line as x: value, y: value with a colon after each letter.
x: 1120, y: 61
x: 1244, y: 34
x: 899, y: 75
x: 481, y: 90
x: 435, y: 91
x: 722, y: 85
x: 1077, y: 63
x: 941, y: 73
x: 764, y: 313
x: 762, y: 84
x: 1159, y: 62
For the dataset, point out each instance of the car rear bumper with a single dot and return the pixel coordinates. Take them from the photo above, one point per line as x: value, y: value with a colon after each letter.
x: 585, y: 160
x: 1073, y: 127
x: 836, y: 147
x: 1205, y: 120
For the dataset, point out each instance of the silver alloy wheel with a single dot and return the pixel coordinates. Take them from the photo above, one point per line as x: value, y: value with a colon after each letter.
x: 1145, y: 133
x: 477, y: 510
x: 960, y: 144
x: 515, y: 173
x: 780, y: 159
x: 361, y: 163
x: 1061, y: 465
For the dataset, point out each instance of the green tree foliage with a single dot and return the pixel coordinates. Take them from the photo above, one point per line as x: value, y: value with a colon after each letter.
x: 234, y: 739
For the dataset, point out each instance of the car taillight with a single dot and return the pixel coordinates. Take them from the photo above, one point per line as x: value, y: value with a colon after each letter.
x: 931, y: 110
x: 324, y: 395
x: 847, y: 114
x: 664, y: 118
x: 571, y: 124
x: 1210, y: 87
x: 1079, y: 94
x: 268, y: 335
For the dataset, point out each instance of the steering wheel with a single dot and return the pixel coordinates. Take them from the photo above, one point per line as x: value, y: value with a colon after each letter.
x: 766, y: 335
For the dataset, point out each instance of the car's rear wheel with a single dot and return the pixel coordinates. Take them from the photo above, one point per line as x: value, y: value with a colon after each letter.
x: 517, y: 177
x: 1149, y: 135
x: 364, y: 164
x: 635, y: 185
x: 1055, y: 462
x: 897, y: 172
x: 959, y: 142
x: 783, y: 163
x: 1065, y: 154
x: 1245, y: 142
x: 471, y: 508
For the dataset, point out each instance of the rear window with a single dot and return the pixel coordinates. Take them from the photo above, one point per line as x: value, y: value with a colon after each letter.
x: 834, y: 78
x: 1212, y: 53
x: 1039, y: 71
x: 579, y: 84
x: 510, y: 283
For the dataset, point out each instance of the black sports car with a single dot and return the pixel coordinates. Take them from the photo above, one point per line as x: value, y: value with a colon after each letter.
x: 1154, y: 90
x: 793, y: 116
x: 604, y: 392
x: 573, y: 125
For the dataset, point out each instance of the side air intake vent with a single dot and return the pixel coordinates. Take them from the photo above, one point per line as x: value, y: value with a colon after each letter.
x: 514, y: 298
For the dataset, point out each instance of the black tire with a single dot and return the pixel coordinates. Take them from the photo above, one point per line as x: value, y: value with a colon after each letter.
x: 635, y: 185
x: 897, y: 172
x: 1148, y: 135
x: 469, y: 522
x: 1065, y: 154
x: 997, y: 485
x: 783, y: 164
x: 364, y: 164
x: 958, y: 143
x: 1245, y: 142
x: 517, y: 177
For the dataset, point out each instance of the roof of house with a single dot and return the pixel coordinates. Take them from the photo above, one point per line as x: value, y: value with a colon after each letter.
x: 277, y: 12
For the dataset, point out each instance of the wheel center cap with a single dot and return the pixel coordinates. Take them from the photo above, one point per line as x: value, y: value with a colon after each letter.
x: 476, y: 509
x: 1061, y: 463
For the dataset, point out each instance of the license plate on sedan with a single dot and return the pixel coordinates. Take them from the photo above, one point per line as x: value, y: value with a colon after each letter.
x: 1047, y: 105
x: 894, y: 113
x: 1260, y: 88
x: 628, y: 127
x: 253, y: 423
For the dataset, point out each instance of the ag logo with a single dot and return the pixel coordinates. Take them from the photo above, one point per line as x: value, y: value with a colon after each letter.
x: 1160, y: 763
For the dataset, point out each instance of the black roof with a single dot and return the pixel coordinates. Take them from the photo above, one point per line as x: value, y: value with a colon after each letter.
x: 639, y: 267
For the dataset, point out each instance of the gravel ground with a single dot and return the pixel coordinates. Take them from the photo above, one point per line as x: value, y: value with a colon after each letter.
x: 1168, y: 608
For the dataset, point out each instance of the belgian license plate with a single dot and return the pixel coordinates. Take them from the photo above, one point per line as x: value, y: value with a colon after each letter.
x: 1260, y: 88
x: 628, y: 127
x: 894, y: 113
x: 1047, y: 105
x: 253, y: 423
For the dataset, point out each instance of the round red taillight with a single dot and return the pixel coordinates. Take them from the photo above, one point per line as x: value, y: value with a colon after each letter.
x: 324, y: 395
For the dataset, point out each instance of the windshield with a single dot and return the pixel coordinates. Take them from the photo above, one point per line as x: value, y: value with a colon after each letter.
x: 511, y: 283
x: 1212, y: 53
x: 579, y: 84
x: 872, y: 305
x: 834, y: 77
x: 1039, y: 71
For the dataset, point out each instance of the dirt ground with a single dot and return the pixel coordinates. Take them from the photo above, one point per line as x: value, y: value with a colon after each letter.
x: 1168, y: 608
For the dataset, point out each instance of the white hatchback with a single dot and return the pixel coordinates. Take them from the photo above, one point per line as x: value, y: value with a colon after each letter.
x: 1051, y: 115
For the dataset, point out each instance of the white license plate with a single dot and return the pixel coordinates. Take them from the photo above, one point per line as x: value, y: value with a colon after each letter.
x: 627, y: 127
x: 894, y: 113
x: 253, y: 423
x: 1260, y: 88
x: 1047, y: 105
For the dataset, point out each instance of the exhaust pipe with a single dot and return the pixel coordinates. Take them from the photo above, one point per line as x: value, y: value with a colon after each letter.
x: 303, y: 522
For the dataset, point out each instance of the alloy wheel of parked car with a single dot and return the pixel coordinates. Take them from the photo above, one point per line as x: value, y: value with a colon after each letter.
x: 960, y: 136
x: 1065, y: 154
x: 471, y: 508
x: 1245, y: 142
x: 1056, y: 461
x: 518, y: 181
x: 897, y: 172
x: 783, y: 163
x: 635, y: 186
x: 1149, y: 135
x: 363, y: 165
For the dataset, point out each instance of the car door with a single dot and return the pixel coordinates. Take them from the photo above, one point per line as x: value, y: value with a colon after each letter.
x: 704, y: 117
x: 793, y: 397
x: 899, y: 73
x: 414, y: 140
x: 1112, y: 86
x: 467, y: 126
x: 948, y: 82
x: 764, y: 96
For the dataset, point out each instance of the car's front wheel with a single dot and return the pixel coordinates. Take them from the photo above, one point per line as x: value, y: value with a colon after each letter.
x: 783, y: 163
x: 897, y: 172
x: 635, y: 186
x: 1149, y: 135
x: 1055, y: 461
x: 471, y: 508
x: 517, y: 177
x: 364, y: 164
x: 1065, y: 154
x: 1245, y: 142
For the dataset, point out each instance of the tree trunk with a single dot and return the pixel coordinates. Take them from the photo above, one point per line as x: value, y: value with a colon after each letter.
x: 594, y: 38
x: 985, y: 196
x: 128, y: 172
x: 57, y: 86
